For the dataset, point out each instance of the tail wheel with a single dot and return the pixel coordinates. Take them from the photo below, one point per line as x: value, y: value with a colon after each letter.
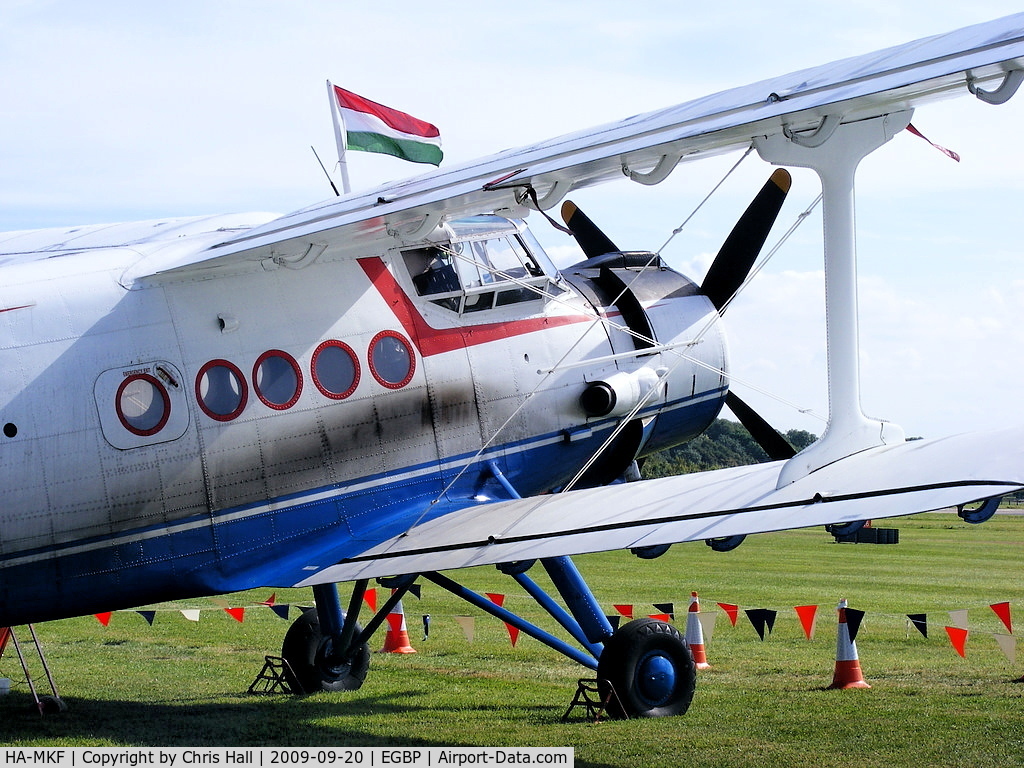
x: 650, y: 666
x: 315, y: 666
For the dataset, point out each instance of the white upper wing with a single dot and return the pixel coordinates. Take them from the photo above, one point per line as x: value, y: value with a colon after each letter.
x: 857, y: 88
x: 916, y: 476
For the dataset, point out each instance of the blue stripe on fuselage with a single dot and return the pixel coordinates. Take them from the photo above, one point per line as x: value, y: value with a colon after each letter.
x: 288, y: 539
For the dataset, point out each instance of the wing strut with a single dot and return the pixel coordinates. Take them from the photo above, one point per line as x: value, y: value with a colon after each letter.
x: 834, y: 151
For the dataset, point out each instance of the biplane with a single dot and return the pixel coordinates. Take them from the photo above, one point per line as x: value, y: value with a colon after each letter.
x: 397, y: 383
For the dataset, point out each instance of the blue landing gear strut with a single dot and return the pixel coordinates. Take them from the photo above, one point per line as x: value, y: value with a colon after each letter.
x: 647, y: 661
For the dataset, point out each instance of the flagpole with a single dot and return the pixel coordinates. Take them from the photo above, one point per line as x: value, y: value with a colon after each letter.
x: 339, y: 137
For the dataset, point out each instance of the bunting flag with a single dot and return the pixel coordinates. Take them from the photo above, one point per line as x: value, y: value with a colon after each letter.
x: 103, y: 618
x: 947, y: 152
x: 1008, y: 645
x: 624, y: 610
x: 192, y: 614
x: 919, y: 620
x: 732, y: 611
x: 668, y: 608
x: 238, y: 614
x: 614, y: 620
x: 281, y: 611
x: 513, y: 631
x: 149, y: 616
x: 417, y: 590
x: 707, y: 625
x: 1002, y: 610
x: 468, y: 624
x: 808, y: 615
x: 660, y: 617
x: 853, y: 620
x: 958, y: 637
x: 763, y: 619
x: 958, y: 619
x: 270, y: 601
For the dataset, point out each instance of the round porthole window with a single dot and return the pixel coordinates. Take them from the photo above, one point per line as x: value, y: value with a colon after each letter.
x: 277, y: 379
x: 335, y: 369
x: 143, y: 405
x: 221, y: 390
x: 392, y: 362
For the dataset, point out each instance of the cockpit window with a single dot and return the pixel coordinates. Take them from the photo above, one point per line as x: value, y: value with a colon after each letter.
x: 478, y: 274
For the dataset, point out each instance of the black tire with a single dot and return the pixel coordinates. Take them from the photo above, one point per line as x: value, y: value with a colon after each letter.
x: 307, y: 652
x: 651, y: 669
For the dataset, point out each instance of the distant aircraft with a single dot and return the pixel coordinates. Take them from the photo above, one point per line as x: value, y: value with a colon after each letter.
x: 399, y: 382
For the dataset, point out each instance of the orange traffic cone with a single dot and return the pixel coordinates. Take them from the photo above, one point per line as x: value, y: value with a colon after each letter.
x: 695, y: 633
x: 847, y: 673
x: 397, y: 638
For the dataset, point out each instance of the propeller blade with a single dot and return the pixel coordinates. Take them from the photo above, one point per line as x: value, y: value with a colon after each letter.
x: 764, y: 434
x: 740, y: 249
x: 592, y: 240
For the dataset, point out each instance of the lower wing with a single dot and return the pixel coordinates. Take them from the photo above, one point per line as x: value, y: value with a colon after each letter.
x: 911, y: 477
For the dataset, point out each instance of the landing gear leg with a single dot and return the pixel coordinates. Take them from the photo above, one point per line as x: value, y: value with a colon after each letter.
x: 322, y: 647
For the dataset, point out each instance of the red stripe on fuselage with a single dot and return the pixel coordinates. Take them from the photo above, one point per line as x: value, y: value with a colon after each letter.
x: 435, y: 341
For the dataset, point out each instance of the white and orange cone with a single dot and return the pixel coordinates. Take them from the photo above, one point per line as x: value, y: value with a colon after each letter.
x: 695, y: 633
x: 397, y: 638
x: 847, y: 673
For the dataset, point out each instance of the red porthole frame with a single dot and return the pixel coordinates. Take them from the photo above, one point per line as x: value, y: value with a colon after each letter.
x: 298, y: 379
x: 334, y: 343
x: 408, y: 348
x: 163, y: 396
x: 244, y: 394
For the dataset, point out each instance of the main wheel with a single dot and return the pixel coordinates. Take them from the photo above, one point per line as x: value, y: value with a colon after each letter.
x: 311, y: 658
x: 651, y: 669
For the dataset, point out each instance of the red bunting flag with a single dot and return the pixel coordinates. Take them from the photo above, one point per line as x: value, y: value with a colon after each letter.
x: 499, y: 600
x: 103, y: 618
x: 808, y: 618
x: 732, y: 611
x: 661, y: 617
x: 625, y: 610
x: 238, y: 614
x: 1003, y: 612
x: 958, y: 637
x: 269, y: 602
x: 947, y: 152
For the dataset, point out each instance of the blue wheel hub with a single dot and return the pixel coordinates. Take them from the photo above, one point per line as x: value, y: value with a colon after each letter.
x: 656, y: 678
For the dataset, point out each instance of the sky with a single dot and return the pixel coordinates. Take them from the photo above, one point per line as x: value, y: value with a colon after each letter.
x: 118, y: 111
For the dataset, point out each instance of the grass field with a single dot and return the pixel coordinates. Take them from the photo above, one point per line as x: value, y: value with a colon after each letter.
x: 761, y: 704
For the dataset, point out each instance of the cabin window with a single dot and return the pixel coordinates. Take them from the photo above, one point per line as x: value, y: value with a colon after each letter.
x: 391, y: 358
x: 143, y: 405
x: 221, y: 390
x: 335, y: 369
x: 277, y: 379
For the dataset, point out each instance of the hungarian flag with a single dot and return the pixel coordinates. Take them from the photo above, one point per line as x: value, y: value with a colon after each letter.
x: 372, y: 127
